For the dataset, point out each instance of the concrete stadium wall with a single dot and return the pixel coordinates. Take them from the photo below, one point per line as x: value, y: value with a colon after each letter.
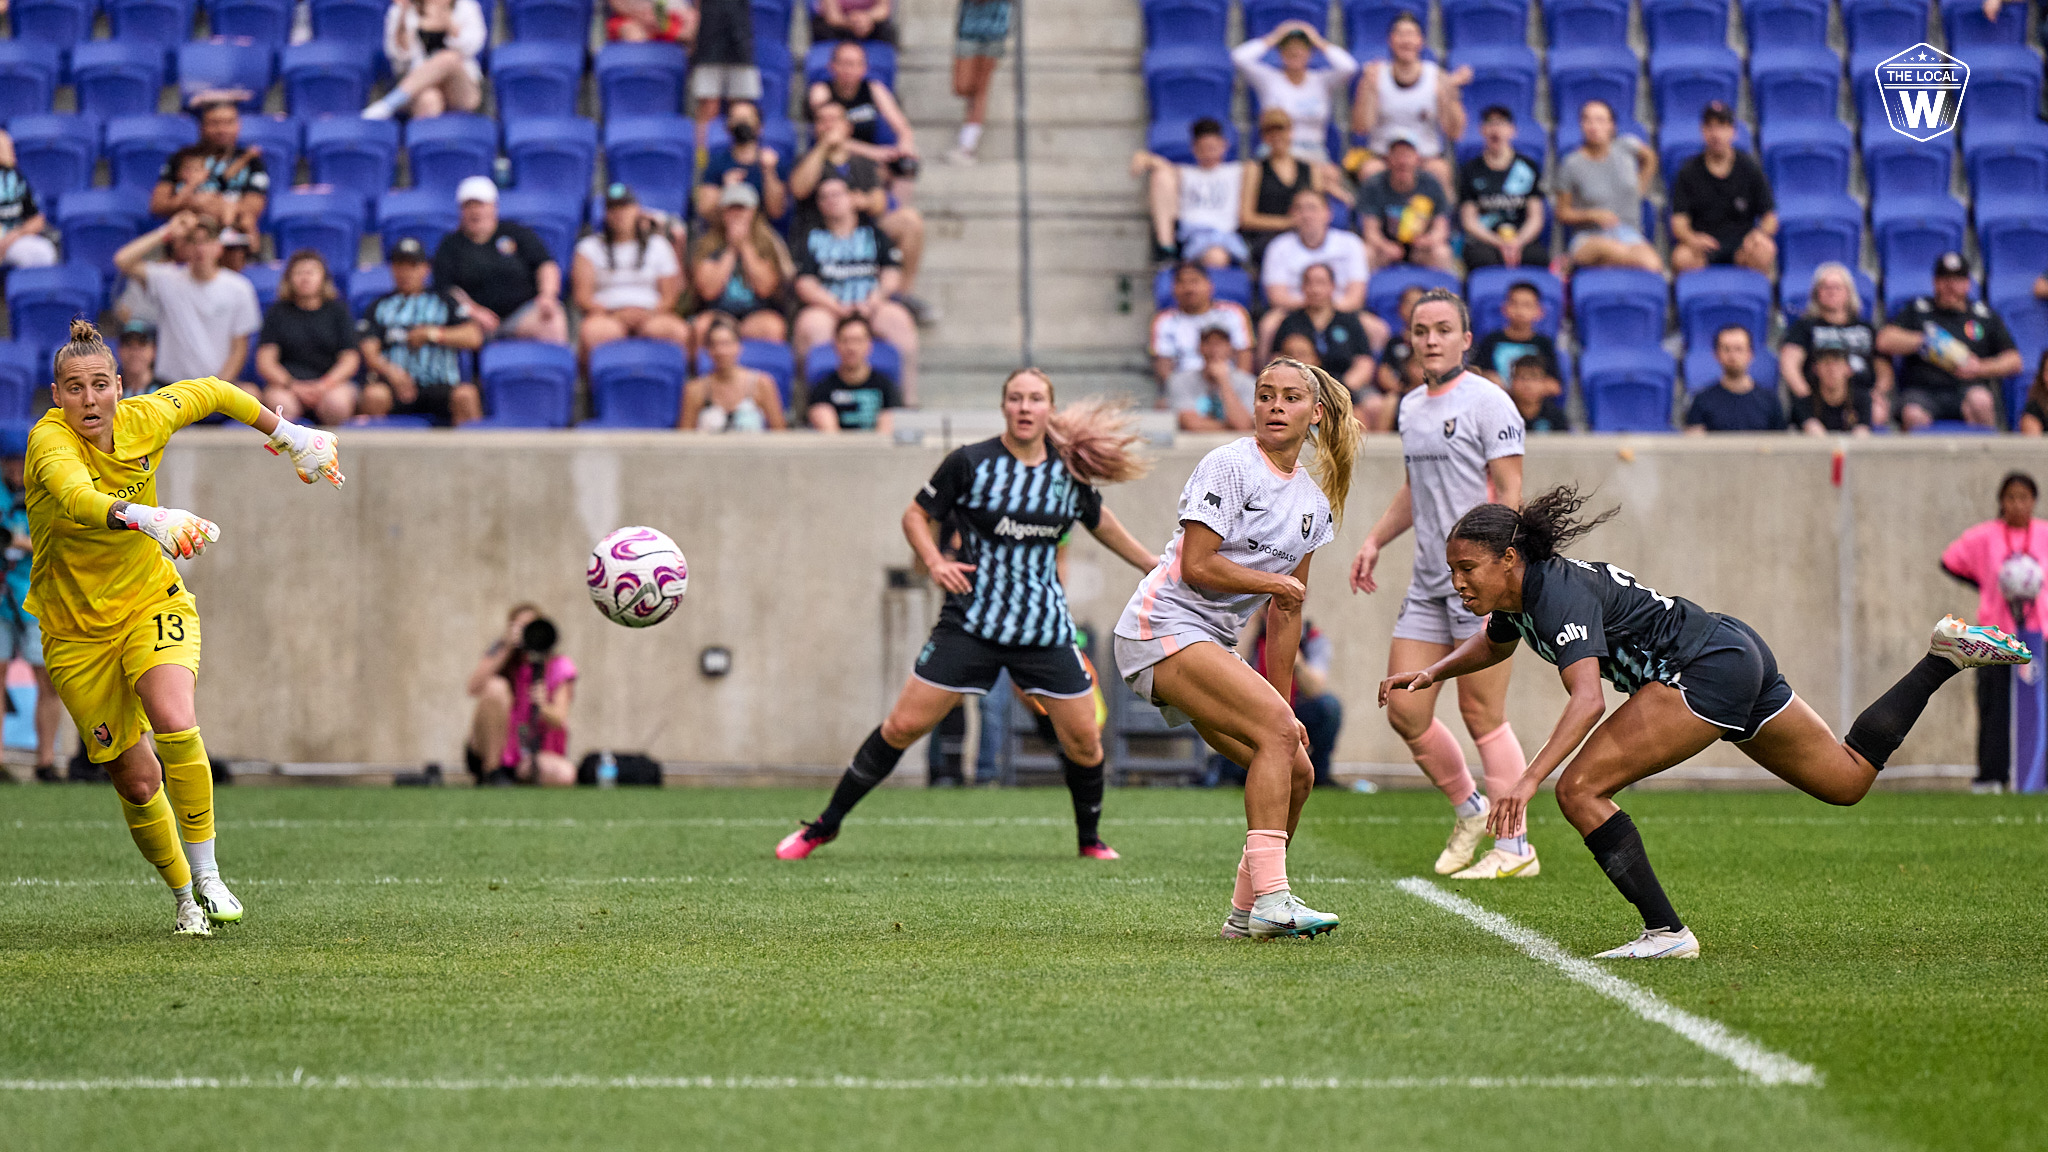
x: 340, y: 626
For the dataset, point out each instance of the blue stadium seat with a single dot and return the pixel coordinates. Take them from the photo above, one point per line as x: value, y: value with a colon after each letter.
x: 55, y: 153
x: 1895, y: 166
x: 2002, y: 97
x: 327, y: 220
x: 1618, y: 307
x: 1366, y: 23
x: 1485, y: 23
x: 1815, y: 230
x: 1191, y: 23
x: 1581, y: 74
x: 282, y: 139
x: 780, y: 363
x: 1262, y: 16
x: 366, y: 284
x: 1686, y: 77
x: 58, y: 24
x: 1188, y: 83
x: 116, y: 78
x: 771, y: 24
x: 28, y: 78
x: 1578, y: 23
x: 164, y: 22
x: 425, y: 214
x: 2015, y: 248
x: 821, y: 359
x: 1383, y: 291
x: 565, y: 21
x: 1807, y: 158
x: 778, y: 71
x: 1682, y: 142
x: 881, y: 61
x: 556, y: 155
x: 1886, y: 27
x: 2027, y: 319
x: 1798, y: 83
x: 1795, y: 289
x: 635, y: 384
x: 354, y: 153
x: 445, y: 149
x: 2007, y: 164
x: 326, y: 78
x: 1487, y: 288
x: 263, y: 21
x: 359, y: 22
x: 639, y: 79
x: 1169, y: 138
x: 1711, y: 299
x: 542, y: 78
x: 266, y: 279
x: 1910, y: 234
x: 21, y: 381
x: 41, y: 302
x: 1503, y: 74
x: 1627, y: 389
x: 1962, y: 21
x: 1776, y: 24
x: 655, y: 156
x: 545, y: 214
x: 526, y: 384
x: 227, y: 64
x: 137, y: 147
x: 1672, y: 23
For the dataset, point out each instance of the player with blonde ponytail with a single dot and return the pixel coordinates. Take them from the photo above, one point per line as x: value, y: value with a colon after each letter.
x: 1251, y: 518
x: 120, y: 629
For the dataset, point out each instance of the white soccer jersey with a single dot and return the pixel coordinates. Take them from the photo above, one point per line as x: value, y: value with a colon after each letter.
x: 1446, y: 441
x: 1269, y: 521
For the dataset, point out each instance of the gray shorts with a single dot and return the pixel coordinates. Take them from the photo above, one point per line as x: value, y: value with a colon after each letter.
x: 1620, y: 234
x: 1135, y: 660
x: 20, y: 635
x: 1435, y: 619
x: 725, y: 82
x: 1196, y: 241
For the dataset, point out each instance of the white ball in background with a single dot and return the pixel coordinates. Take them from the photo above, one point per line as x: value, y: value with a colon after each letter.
x: 638, y: 576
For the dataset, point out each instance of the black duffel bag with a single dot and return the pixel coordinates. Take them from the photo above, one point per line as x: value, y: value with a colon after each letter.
x: 634, y: 768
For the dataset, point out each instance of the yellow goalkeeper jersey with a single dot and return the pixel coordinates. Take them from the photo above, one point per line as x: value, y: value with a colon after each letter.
x: 88, y: 581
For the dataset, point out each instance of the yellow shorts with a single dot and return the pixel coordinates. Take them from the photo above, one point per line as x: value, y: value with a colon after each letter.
x: 96, y: 678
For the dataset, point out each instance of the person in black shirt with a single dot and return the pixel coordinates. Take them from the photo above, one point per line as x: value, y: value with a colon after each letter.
x: 1535, y: 389
x: 1833, y: 318
x: 306, y: 352
x: 855, y: 395
x: 847, y: 266
x: 1008, y: 501
x: 870, y: 108
x: 1692, y: 677
x: 22, y: 243
x: 1833, y: 405
x: 137, y: 352
x: 833, y: 155
x: 1343, y: 340
x: 1495, y: 355
x: 1952, y: 352
x: 1500, y: 200
x: 1721, y: 207
x: 411, y: 340
x: 1734, y: 403
x: 501, y: 271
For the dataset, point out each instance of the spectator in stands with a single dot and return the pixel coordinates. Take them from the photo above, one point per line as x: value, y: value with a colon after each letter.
x: 745, y: 161
x: 1535, y: 388
x: 1831, y: 405
x: 22, y: 243
x: 722, y: 67
x: 1312, y: 241
x: 1734, y: 403
x: 980, y: 38
x: 433, y: 47
x: 1343, y: 342
x: 204, y: 313
x: 1495, y: 355
x: 1195, y: 207
x: 1217, y: 397
x: 1397, y: 372
x: 2034, y: 415
x: 870, y: 108
x: 1298, y: 346
x: 412, y: 340
x: 1177, y: 331
x: 1404, y: 213
x: 137, y: 353
x: 855, y: 396
x: 853, y: 20
x: 1266, y: 201
x: 1954, y: 351
x: 638, y: 21
x: 733, y: 397
x: 519, y: 731
x: 1600, y: 190
x: 1833, y: 318
x: 833, y: 154
x: 740, y: 270
x: 846, y: 265
x: 236, y: 249
x: 1721, y: 206
x: 1305, y: 90
x: 626, y: 279
x: 307, y: 353
x: 1500, y: 200
x: 1407, y: 94
x: 501, y: 271
x: 217, y: 177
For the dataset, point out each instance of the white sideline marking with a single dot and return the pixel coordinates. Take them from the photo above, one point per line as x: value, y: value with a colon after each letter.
x: 298, y: 1081
x: 1753, y: 1059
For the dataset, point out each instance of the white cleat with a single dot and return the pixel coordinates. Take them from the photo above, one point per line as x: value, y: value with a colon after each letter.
x: 1974, y: 647
x: 191, y: 919
x: 1501, y: 864
x: 1464, y: 841
x: 1237, y: 925
x: 1280, y: 914
x: 213, y: 896
x: 1657, y: 944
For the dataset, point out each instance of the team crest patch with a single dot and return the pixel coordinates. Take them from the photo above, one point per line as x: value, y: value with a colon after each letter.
x: 507, y: 246
x: 1212, y: 500
x: 1308, y: 523
x: 1450, y: 427
x: 104, y: 736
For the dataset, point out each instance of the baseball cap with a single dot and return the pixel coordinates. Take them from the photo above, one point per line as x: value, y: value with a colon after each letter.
x: 229, y: 238
x: 407, y: 248
x: 1400, y: 136
x: 1828, y: 352
x: 739, y: 194
x: 1717, y: 112
x: 1950, y: 264
x: 617, y: 194
x: 138, y: 330
x: 1497, y: 112
x: 477, y: 188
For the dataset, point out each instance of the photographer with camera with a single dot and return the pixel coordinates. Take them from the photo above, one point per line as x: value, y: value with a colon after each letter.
x: 523, y: 689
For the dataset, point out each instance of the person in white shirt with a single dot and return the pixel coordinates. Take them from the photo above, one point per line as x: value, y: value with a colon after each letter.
x: 433, y: 47
x: 1195, y: 206
x: 1306, y: 93
x: 1407, y: 94
x: 1312, y: 241
x: 1177, y: 331
x: 204, y: 313
x: 626, y: 279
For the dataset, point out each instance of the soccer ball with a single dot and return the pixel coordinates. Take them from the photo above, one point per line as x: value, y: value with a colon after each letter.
x: 637, y: 577
x: 2019, y: 578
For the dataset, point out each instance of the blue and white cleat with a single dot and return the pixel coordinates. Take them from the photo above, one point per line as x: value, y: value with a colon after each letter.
x: 1237, y: 925
x: 1280, y: 914
x: 1657, y: 944
x: 1966, y: 646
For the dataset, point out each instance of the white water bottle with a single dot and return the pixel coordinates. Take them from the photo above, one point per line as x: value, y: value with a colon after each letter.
x: 607, y: 770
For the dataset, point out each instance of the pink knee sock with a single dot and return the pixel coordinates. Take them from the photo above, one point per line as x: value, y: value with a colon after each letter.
x: 1241, y: 897
x: 1500, y: 756
x: 1437, y: 753
x: 1265, y: 861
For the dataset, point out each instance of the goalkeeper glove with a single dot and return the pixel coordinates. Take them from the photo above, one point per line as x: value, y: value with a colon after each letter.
x: 181, y: 534
x: 312, y: 452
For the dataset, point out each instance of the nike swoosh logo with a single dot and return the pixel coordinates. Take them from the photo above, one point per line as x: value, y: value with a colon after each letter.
x: 1516, y: 870
x: 161, y: 647
x: 1252, y: 508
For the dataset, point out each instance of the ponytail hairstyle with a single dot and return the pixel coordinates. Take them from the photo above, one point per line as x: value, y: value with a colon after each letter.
x: 1336, y: 437
x: 1541, y: 530
x: 85, y: 341
x: 1093, y: 436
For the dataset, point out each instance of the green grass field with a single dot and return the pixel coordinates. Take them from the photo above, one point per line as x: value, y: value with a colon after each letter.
x: 448, y: 970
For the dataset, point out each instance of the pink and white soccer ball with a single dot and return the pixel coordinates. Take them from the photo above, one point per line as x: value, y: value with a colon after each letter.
x: 638, y: 577
x: 2019, y: 578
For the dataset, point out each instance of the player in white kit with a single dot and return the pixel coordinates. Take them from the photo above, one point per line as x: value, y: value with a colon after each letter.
x: 1461, y: 439
x: 1251, y: 517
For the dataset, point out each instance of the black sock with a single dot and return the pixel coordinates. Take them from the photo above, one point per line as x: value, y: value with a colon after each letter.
x: 1878, y: 731
x: 1619, y: 849
x: 871, y: 765
x: 1085, y: 784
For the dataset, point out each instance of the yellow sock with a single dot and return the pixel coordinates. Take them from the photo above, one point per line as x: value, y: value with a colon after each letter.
x: 188, y: 777
x: 151, y: 825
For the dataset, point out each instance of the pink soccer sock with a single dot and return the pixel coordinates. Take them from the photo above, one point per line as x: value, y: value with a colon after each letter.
x: 1241, y: 897
x: 1500, y: 757
x: 1437, y: 753
x: 1265, y: 858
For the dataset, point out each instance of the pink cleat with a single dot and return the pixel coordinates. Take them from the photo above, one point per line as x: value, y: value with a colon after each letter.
x: 1099, y: 851
x: 804, y: 841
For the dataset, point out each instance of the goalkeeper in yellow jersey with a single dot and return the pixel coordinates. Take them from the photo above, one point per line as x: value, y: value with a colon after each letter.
x: 120, y: 630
